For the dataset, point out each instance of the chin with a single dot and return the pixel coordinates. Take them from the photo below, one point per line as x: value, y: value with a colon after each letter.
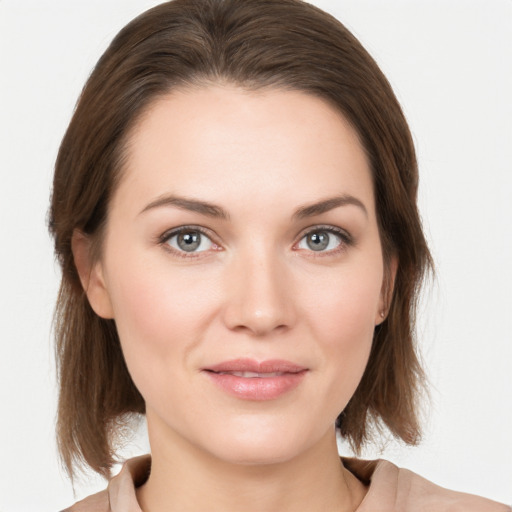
x: 262, y: 443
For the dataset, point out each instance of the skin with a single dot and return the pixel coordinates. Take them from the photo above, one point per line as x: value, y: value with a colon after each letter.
x: 254, y: 288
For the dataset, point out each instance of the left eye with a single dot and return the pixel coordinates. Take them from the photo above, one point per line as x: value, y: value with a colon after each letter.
x: 321, y: 240
x: 190, y: 240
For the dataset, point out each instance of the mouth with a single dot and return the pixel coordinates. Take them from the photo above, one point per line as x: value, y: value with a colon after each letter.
x: 253, y: 375
x: 247, y: 379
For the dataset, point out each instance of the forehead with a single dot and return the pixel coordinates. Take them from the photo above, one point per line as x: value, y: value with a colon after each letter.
x: 226, y: 142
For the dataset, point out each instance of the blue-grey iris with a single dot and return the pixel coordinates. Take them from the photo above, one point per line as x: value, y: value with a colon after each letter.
x: 318, y: 241
x: 189, y: 241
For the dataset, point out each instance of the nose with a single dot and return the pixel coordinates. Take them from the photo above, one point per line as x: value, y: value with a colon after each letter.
x: 259, y: 295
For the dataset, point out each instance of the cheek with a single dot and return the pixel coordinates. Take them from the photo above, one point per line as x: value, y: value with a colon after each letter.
x: 157, y: 314
x: 148, y: 297
x: 342, y: 319
x: 344, y: 307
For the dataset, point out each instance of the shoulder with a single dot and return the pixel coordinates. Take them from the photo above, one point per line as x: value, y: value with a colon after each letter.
x: 98, y: 502
x: 120, y: 494
x: 392, y: 489
x: 416, y: 493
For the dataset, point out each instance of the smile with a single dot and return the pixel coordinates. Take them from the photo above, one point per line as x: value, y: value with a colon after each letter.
x: 247, y: 379
x: 253, y: 375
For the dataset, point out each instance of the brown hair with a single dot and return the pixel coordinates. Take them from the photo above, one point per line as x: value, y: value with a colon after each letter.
x: 254, y: 44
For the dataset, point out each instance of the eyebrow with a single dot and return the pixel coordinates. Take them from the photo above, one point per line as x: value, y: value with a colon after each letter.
x: 215, y: 211
x: 328, y: 204
x: 192, y: 205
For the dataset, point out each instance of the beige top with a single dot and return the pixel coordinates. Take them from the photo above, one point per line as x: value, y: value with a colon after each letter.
x: 391, y: 490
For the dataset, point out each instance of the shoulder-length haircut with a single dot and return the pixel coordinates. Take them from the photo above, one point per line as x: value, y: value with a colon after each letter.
x: 254, y: 44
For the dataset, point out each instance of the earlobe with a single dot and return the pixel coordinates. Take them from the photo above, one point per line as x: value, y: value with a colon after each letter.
x: 91, y: 275
x: 386, y: 294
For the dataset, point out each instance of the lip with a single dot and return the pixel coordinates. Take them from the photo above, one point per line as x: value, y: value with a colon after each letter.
x: 264, y: 380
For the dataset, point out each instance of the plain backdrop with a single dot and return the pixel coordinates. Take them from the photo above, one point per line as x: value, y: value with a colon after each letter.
x: 450, y: 64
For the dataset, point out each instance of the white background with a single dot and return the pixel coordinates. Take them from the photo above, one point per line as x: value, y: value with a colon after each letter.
x: 450, y: 64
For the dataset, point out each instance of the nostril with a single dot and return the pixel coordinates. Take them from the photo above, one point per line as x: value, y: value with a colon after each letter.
x: 258, y: 300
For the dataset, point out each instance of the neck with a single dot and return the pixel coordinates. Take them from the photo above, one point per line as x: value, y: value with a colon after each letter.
x: 184, y: 478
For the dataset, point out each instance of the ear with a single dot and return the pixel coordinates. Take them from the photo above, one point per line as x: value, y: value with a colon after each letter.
x: 386, y: 293
x: 91, y: 275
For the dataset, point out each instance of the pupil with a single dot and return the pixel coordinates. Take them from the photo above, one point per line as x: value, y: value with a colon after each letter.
x: 318, y: 241
x: 189, y: 241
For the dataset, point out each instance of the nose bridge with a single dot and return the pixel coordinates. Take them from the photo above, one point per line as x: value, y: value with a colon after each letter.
x: 258, y: 297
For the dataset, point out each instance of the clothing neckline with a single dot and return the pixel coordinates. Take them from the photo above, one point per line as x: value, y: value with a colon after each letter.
x: 391, y: 489
x: 135, y: 473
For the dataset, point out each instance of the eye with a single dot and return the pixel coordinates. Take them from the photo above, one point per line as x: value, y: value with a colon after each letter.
x: 324, y: 240
x: 188, y: 240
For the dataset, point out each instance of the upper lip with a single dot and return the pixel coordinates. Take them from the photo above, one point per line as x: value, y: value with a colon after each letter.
x: 251, y: 365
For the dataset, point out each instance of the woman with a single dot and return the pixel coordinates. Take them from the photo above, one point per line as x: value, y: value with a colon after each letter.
x: 234, y: 210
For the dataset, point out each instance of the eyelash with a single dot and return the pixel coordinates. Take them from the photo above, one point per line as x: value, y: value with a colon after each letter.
x: 165, y: 237
x: 346, y: 240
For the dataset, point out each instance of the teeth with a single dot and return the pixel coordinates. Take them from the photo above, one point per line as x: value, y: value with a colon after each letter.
x: 253, y: 375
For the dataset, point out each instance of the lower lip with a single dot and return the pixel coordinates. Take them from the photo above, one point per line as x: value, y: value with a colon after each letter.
x: 257, y: 388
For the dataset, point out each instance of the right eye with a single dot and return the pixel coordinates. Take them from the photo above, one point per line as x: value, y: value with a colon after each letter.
x: 188, y: 240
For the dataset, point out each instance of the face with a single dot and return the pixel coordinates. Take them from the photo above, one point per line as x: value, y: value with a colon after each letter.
x: 243, y: 267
